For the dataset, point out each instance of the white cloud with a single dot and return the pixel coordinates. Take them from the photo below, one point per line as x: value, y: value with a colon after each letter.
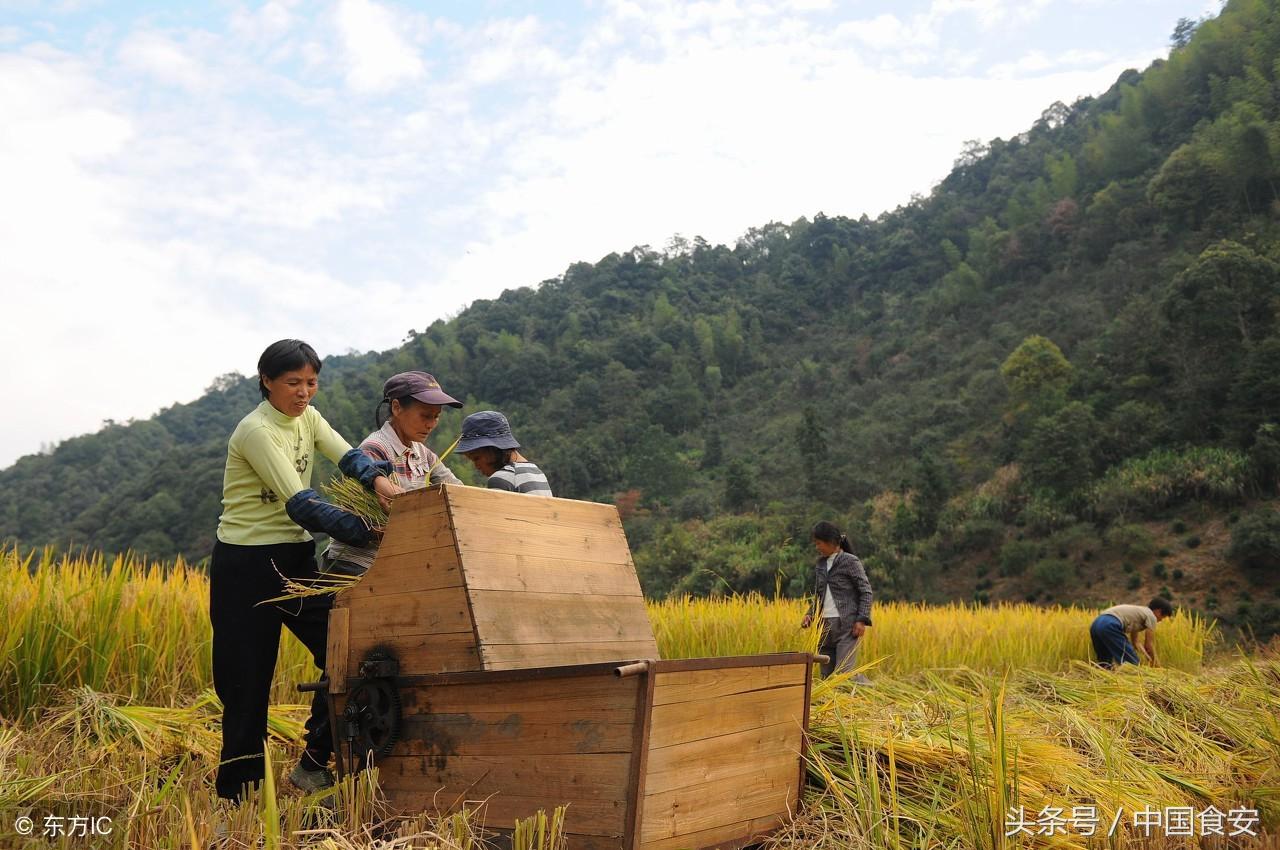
x: 888, y: 32
x: 991, y: 14
x: 378, y: 58
x: 773, y: 129
x: 1037, y: 62
x: 161, y: 57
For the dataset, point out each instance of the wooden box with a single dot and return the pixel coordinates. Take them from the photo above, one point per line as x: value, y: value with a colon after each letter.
x: 474, y: 579
x: 525, y: 677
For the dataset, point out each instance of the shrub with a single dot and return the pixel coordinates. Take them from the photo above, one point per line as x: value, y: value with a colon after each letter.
x: 1042, y: 514
x: 1134, y: 582
x: 1255, y: 540
x: 1052, y: 574
x: 979, y: 534
x: 1128, y: 566
x: 1177, y: 575
x: 1158, y: 570
x: 1193, y: 541
x: 1133, y: 541
x: 1178, y: 527
x: 1078, y: 539
x: 1017, y: 555
x: 1165, y: 477
x: 997, y: 498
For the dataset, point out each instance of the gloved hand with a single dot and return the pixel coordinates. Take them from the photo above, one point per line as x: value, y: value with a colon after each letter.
x: 358, y: 465
x: 313, y: 513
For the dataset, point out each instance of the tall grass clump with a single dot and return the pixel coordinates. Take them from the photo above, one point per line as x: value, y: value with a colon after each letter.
x: 1165, y: 477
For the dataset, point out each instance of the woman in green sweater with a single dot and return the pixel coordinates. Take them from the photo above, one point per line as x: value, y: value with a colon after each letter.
x: 268, y: 508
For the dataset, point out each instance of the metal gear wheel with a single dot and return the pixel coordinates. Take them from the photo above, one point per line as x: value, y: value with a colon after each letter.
x: 374, y: 708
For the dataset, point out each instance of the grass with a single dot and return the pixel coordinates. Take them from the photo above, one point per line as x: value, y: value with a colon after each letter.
x: 104, y: 677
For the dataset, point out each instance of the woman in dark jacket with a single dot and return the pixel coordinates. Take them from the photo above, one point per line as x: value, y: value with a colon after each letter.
x: 842, y: 599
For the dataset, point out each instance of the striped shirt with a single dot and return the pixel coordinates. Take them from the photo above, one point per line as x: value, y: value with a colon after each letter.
x: 412, y: 464
x: 521, y: 477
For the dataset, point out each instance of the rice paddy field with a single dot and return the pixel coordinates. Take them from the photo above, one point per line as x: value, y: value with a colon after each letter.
x: 984, y: 727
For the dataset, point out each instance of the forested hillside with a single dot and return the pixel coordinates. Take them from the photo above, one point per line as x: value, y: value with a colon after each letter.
x: 1047, y: 376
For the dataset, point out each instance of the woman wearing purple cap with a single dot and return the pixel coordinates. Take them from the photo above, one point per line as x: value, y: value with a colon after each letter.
x: 413, y: 402
x: 488, y: 443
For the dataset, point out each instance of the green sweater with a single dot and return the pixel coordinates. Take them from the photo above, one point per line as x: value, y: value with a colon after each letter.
x: 269, y: 459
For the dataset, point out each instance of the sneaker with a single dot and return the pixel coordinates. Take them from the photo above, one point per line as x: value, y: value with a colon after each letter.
x: 310, y: 781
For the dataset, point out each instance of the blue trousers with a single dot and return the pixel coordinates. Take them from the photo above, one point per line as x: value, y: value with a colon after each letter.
x: 1110, y: 642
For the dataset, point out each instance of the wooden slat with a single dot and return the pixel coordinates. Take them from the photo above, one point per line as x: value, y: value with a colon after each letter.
x: 448, y: 652
x: 516, y: 656
x: 572, y: 840
x: 521, y: 571
x: 498, y: 733
x: 501, y: 809
x: 701, y: 759
x: 565, y: 513
x: 772, y: 659
x: 739, y: 833
x: 640, y: 760
x: 416, y: 613
x: 479, y: 537
x: 569, y: 696
x: 426, y: 569
x: 712, y: 684
x: 336, y: 650
x: 566, y: 778
x: 508, y: 617
x: 696, y: 808
x: 419, y: 523
x: 679, y: 722
x: 505, y: 523
x: 698, y: 763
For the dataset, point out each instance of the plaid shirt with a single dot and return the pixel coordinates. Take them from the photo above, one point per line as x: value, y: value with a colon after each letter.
x: 411, y: 464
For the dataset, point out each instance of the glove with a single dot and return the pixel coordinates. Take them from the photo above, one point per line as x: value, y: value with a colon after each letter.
x: 308, y: 510
x: 358, y: 465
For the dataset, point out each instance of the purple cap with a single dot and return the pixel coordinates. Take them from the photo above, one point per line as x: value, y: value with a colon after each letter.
x: 420, y: 386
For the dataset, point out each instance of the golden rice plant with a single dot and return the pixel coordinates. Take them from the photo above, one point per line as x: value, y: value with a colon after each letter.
x: 913, y: 636
x: 150, y: 769
x: 139, y: 629
x: 940, y: 758
x: 105, y: 680
x: 350, y: 495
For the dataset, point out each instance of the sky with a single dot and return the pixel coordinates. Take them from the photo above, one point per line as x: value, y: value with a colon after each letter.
x: 183, y: 184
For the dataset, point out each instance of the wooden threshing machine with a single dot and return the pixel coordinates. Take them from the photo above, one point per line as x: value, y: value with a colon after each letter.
x: 499, y: 651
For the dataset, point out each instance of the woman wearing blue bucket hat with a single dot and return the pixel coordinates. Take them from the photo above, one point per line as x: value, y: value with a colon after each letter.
x: 488, y: 443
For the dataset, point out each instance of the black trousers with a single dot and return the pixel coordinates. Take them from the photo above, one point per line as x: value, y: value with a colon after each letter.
x: 246, y: 638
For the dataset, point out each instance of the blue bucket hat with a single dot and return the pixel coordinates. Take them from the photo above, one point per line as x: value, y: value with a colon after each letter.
x: 486, y: 428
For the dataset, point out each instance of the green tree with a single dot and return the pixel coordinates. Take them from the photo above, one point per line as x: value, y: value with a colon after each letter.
x: 1217, y: 308
x: 1037, y: 375
x: 1058, y: 453
x: 740, y: 491
x: 811, y: 440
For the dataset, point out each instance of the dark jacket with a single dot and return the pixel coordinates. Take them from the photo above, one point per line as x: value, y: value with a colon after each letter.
x: 849, y: 588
